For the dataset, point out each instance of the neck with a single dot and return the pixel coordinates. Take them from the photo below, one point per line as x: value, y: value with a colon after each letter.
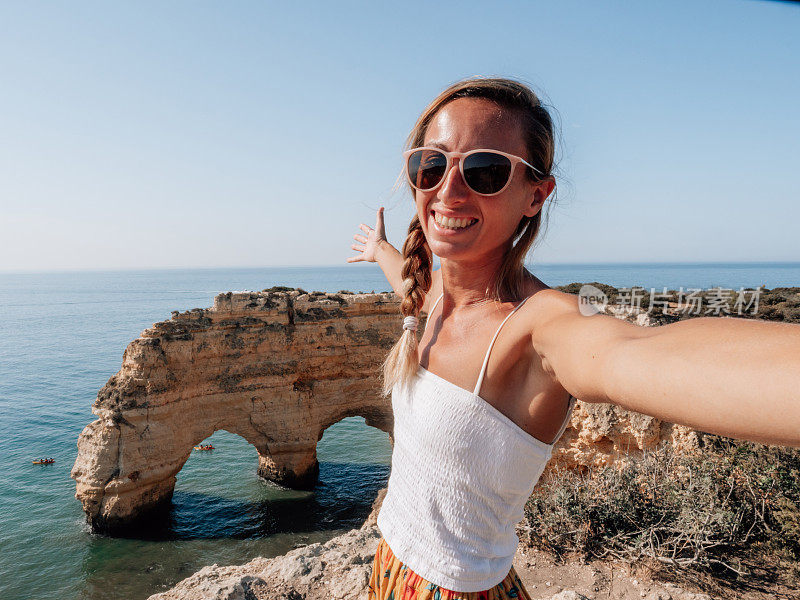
x: 468, y: 283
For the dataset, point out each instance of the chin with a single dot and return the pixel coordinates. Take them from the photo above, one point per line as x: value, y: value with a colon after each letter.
x: 455, y: 248
x: 447, y: 251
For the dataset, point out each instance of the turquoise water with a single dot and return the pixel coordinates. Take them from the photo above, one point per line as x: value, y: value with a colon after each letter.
x: 62, y: 336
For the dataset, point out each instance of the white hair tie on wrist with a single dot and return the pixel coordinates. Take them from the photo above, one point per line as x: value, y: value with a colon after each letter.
x: 410, y: 323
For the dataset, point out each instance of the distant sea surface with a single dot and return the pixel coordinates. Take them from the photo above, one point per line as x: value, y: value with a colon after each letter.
x: 62, y: 336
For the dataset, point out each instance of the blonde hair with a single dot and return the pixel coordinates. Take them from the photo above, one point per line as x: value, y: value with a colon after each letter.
x: 537, y: 127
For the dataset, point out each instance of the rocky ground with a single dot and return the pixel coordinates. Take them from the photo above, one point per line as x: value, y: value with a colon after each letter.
x: 340, y: 568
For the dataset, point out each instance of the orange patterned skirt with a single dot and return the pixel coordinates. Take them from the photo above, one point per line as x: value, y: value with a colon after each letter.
x: 392, y: 580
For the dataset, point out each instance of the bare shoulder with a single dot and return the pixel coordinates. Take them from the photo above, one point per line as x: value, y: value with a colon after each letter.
x: 554, y: 315
x: 547, y: 303
x: 543, y: 315
x: 574, y: 347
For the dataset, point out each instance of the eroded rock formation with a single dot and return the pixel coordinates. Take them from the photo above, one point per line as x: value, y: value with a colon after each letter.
x: 277, y: 368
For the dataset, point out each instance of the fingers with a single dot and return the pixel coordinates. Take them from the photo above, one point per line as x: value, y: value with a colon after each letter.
x: 361, y: 247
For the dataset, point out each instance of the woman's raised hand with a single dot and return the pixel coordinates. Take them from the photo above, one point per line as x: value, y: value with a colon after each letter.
x: 368, y: 245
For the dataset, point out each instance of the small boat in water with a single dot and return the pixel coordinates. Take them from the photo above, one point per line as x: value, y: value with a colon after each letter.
x: 204, y: 448
x: 44, y: 461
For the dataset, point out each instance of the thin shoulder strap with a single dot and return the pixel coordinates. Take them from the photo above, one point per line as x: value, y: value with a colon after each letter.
x: 491, y: 344
x: 430, y: 312
x: 566, y: 420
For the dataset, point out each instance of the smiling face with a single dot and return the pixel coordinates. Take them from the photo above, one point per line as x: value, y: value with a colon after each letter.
x: 462, y: 125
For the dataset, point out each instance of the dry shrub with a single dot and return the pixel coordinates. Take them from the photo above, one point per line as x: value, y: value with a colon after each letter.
x: 707, y: 511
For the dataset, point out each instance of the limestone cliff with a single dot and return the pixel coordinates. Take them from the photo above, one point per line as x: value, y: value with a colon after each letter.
x: 277, y: 368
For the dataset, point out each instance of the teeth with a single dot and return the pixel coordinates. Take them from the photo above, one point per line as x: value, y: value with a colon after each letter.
x: 451, y: 223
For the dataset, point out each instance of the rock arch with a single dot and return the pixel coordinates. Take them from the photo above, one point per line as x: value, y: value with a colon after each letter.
x: 275, y: 367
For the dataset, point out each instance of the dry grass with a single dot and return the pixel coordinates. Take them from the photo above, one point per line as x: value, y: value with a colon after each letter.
x: 713, y: 512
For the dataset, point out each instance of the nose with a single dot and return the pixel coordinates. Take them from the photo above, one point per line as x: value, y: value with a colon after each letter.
x: 453, y: 188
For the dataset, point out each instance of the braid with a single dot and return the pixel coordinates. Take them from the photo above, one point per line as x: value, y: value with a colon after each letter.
x: 403, y: 360
x: 416, y: 270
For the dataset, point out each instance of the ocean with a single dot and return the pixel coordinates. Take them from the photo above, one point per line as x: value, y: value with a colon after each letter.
x: 62, y: 336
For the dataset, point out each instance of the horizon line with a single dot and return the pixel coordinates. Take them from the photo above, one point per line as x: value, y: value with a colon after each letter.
x: 336, y: 266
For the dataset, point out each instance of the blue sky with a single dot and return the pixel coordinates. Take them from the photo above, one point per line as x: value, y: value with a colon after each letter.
x: 200, y: 134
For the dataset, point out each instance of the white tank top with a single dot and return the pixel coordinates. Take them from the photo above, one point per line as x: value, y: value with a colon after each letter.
x: 461, y: 474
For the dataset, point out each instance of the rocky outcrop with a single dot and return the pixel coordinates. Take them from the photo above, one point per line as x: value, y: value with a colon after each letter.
x: 338, y: 569
x: 276, y: 367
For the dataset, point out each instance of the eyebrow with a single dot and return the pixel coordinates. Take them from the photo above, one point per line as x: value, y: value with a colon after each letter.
x: 436, y: 145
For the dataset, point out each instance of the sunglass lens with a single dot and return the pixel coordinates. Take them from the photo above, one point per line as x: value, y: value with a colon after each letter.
x: 426, y: 168
x: 487, y: 172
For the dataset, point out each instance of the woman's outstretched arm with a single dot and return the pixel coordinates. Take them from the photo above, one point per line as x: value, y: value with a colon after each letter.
x: 734, y: 377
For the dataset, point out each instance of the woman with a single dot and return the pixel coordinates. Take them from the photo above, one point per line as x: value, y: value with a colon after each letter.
x: 464, y: 463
